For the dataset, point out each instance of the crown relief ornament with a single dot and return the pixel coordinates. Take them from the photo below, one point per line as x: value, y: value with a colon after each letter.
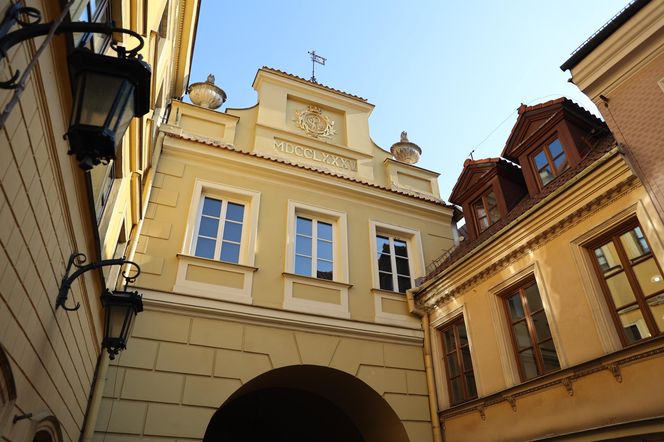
x: 312, y: 121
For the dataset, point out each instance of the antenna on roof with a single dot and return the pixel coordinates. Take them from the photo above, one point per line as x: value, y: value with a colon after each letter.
x: 471, y: 155
x: 315, y: 58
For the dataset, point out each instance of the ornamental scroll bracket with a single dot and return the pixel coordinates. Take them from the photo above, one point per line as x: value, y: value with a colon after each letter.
x: 77, y: 260
x: 567, y: 383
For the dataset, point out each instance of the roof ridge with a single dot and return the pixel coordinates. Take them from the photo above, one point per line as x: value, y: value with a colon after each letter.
x: 315, y: 83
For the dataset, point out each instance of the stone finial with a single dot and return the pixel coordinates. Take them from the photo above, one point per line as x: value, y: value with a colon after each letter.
x: 206, y: 94
x: 405, y: 151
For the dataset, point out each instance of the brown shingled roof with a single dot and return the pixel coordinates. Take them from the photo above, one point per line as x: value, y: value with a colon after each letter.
x: 313, y: 83
x: 603, y: 146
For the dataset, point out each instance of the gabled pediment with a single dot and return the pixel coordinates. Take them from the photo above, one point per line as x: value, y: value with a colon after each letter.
x: 475, y: 173
x: 531, y: 120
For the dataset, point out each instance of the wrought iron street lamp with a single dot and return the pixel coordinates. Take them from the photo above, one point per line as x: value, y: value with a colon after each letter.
x: 108, y: 91
x: 120, y: 308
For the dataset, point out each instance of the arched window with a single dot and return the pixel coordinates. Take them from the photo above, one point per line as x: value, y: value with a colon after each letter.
x: 48, y: 430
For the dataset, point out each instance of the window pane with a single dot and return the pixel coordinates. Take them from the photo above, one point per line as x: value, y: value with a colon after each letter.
x: 649, y: 276
x: 324, y: 270
x: 235, y: 212
x: 232, y: 231
x: 634, y: 244
x: 545, y: 175
x: 634, y: 326
x: 521, y: 335
x: 540, y: 160
x: 457, y: 391
x: 404, y: 284
x: 302, y: 265
x: 402, y: 266
x: 528, y: 364
x: 541, y: 326
x: 205, y: 248
x: 515, y: 307
x: 467, y: 362
x: 452, y: 365
x: 463, y: 336
x: 533, y: 298
x: 494, y: 214
x: 384, y: 263
x: 324, y: 250
x: 478, y: 206
x: 230, y: 252
x: 385, y: 281
x: 382, y: 244
x: 470, y: 384
x: 208, y: 227
x: 450, y: 344
x: 211, y: 207
x: 607, y: 258
x: 549, y: 356
x: 560, y: 163
x: 303, y: 226
x: 400, y: 248
x: 656, y: 304
x: 325, y: 231
x: 620, y: 290
x: 555, y: 148
x: 303, y: 245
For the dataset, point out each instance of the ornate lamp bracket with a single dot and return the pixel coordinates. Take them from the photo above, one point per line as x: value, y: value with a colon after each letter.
x: 77, y: 260
x: 30, y: 27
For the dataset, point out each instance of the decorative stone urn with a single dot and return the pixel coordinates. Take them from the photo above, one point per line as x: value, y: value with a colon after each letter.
x: 207, y: 94
x: 405, y: 151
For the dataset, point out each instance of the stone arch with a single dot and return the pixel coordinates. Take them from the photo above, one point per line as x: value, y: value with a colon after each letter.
x: 306, y: 402
x: 47, y: 430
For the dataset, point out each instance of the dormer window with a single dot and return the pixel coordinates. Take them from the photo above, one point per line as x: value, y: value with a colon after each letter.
x: 486, y: 210
x: 550, y: 161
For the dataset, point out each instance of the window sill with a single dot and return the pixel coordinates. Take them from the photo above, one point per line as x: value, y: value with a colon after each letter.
x: 209, y: 278
x: 318, y: 296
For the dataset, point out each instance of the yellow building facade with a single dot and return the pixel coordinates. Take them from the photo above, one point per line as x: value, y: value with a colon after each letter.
x: 546, y: 322
x: 291, y: 323
x: 51, y: 359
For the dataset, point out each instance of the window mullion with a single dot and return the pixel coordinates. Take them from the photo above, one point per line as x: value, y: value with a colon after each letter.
x: 531, y: 331
x: 393, y: 261
x: 220, y: 230
x: 462, y: 368
x: 314, y: 248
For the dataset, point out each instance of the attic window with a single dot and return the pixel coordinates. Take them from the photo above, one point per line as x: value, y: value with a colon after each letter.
x: 550, y: 161
x: 486, y: 210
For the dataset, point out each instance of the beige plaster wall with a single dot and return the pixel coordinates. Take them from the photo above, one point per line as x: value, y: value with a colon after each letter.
x: 180, y: 368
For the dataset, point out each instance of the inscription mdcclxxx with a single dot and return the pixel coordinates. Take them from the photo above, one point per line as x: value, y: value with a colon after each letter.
x: 315, y: 155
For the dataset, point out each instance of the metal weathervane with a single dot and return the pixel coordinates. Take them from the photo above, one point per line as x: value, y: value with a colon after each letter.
x: 315, y: 58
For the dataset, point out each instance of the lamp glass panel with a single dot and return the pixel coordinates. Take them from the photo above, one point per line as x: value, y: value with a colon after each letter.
x: 123, y: 112
x: 97, y: 97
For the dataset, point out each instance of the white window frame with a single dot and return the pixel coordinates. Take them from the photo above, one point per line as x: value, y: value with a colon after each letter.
x: 413, y: 241
x: 245, y: 266
x: 313, y: 271
x: 222, y: 225
x: 251, y: 201
x: 339, y: 238
x: 340, y: 272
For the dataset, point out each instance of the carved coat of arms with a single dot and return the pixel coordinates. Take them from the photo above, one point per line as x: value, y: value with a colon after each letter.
x: 312, y: 121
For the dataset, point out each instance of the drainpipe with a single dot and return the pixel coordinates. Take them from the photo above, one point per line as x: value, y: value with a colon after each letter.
x: 428, y: 365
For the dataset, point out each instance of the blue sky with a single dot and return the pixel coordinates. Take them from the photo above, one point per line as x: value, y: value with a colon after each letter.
x: 448, y: 72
